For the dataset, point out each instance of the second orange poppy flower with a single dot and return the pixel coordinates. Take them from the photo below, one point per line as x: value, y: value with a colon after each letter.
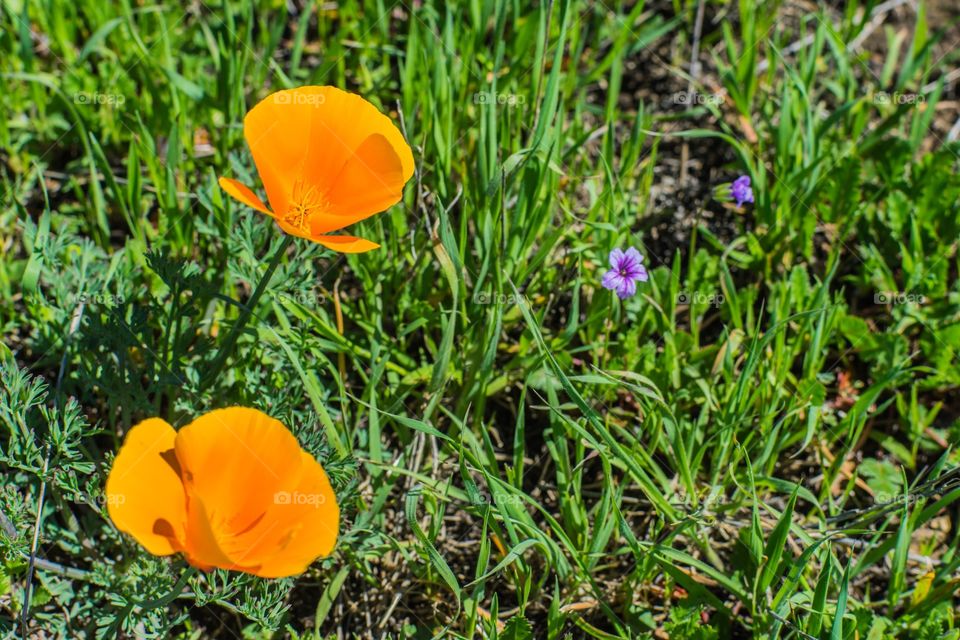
x: 327, y: 159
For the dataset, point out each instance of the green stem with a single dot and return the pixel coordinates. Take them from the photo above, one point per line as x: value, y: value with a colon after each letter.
x: 238, y: 327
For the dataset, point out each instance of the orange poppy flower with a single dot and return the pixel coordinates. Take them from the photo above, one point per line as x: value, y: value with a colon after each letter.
x: 232, y: 489
x: 327, y: 159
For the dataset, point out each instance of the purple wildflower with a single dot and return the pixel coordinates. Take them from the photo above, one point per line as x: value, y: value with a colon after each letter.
x: 625, y: 271
x: 741, y: 191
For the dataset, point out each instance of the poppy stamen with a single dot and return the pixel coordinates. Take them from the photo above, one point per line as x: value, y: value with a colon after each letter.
x: 305, y: 205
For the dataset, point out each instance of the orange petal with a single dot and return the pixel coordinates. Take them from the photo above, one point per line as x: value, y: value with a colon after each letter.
x: 300, y: 526
x: 204, y: 549
x: 342, y: 122
x: 371, y: 181
x: 233, y: 461
x: 145, y: 496
x: 244, y: 194
x: 277, y: 130
x: 292, y: 230
x: 312, y: 514
x: 346, y: 244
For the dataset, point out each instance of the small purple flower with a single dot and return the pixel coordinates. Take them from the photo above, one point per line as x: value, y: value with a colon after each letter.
x: 625, y: 271
x: 741, y: 191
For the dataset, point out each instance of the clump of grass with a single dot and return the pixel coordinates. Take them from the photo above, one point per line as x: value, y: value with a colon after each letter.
x: 757, y: 444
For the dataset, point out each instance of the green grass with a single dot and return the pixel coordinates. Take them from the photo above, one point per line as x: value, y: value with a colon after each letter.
x: 759, y: 444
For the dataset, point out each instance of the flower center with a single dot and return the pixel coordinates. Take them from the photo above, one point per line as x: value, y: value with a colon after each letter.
x: 306, y: 201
